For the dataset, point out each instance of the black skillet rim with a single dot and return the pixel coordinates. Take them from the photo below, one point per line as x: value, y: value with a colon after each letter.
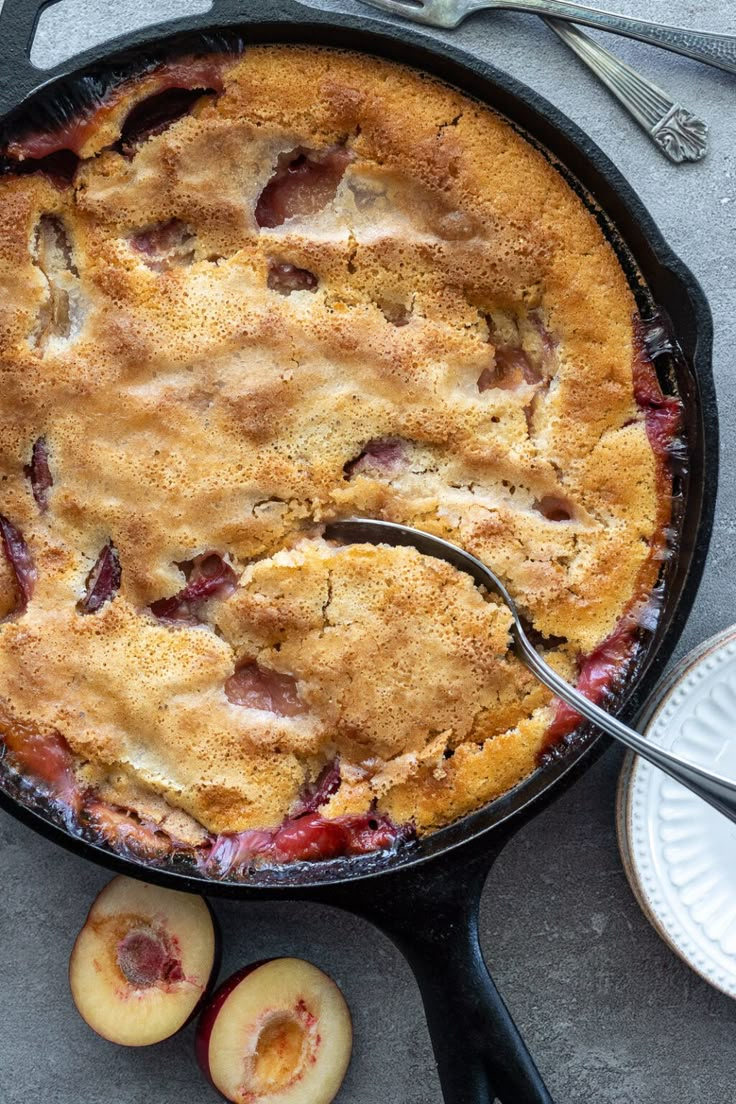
x: 575, y: 151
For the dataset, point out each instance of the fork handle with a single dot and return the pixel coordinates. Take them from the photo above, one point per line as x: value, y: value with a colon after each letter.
x: 713, y: 49
x: 676, y: 132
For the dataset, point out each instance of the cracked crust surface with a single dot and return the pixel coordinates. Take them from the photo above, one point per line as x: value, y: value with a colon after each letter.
x: 460, y: 359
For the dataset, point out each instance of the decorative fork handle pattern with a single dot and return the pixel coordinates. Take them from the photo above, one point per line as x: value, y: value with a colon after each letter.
x: 713, y: 49
x: 678, y: 133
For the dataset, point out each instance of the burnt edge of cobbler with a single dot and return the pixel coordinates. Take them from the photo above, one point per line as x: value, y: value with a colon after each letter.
x: 77, y: 95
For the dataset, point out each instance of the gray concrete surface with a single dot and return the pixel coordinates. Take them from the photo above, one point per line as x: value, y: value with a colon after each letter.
x: 612, y: 1016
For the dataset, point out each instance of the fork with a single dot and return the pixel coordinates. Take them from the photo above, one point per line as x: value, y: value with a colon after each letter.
x: 676, y: 132
x: 712, y: 49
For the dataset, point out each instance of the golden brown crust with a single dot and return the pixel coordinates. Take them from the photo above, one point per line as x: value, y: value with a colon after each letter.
x: 189, y: 407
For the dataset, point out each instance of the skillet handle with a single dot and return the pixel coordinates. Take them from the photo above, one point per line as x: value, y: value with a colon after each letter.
x: 431, y: 915
x: 18, y: 76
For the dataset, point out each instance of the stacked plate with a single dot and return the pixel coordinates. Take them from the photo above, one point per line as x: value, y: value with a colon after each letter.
x: 679, y: 854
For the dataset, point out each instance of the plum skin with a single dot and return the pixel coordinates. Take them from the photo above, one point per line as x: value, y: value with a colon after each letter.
x: 209, y: 1015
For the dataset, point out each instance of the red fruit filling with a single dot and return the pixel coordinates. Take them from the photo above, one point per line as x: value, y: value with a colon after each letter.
x: 157, y: 112
x: 598, y: 673
x: 21, y: 561
x: 662, y: 413
x: 316, y: 794
x: 60, y: 168
x: 309, y: 838
x: 304, y: 182
x: 259, y: 687
x: 386, y: 455
x: 166, y: 244
x: 285, y: 278
x: 144, y: 958
x: 188, y: 73
x: 604, y: 667
x: 103, y: 581
x: 39, y: 473
x: 44, y: 757
x: 208, y: 576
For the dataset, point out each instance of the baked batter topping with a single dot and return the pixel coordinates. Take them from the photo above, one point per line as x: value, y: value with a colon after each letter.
x: 256, y: 309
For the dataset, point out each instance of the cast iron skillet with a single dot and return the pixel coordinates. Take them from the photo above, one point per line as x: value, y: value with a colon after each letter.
x: 426, y: 897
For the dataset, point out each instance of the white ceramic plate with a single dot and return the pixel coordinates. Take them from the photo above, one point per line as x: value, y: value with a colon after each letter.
x: 679, y: 854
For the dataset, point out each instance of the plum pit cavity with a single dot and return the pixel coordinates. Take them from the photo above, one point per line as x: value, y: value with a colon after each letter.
x: 280, y: 1054
x: 145, y: 958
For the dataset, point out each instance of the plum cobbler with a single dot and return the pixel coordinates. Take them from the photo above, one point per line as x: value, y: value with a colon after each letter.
x: 247, y: 294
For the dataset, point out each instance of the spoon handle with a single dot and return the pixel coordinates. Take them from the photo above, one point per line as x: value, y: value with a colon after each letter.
x: 713, y: 788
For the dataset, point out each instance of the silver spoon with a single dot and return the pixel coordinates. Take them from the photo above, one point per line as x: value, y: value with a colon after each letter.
x: 713, y: 788
x: 712, y: 49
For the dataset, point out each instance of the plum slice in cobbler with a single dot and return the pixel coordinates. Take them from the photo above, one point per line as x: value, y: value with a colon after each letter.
x: 518, y: 360
x: 156, y: 113
x: 385, y: 455
x: 316, y: 794
x: 20, y: 559
x: 510, y: 369
x: 53, y: 256
x: 306, y: 835
x: 38, y: 472
x: 165, y: 245
x: 103, y: 581
x: 190, y: 77
x: 304, y: 182
x: 662, y: 413
x: 208, y: 576
x: 256, y: 687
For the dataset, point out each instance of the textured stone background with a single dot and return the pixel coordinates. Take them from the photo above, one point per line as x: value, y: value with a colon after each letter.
x: 612, y: 1016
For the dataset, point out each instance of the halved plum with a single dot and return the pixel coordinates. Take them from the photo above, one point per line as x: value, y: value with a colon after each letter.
x: 143, y: 962
x: 278, y: 1031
